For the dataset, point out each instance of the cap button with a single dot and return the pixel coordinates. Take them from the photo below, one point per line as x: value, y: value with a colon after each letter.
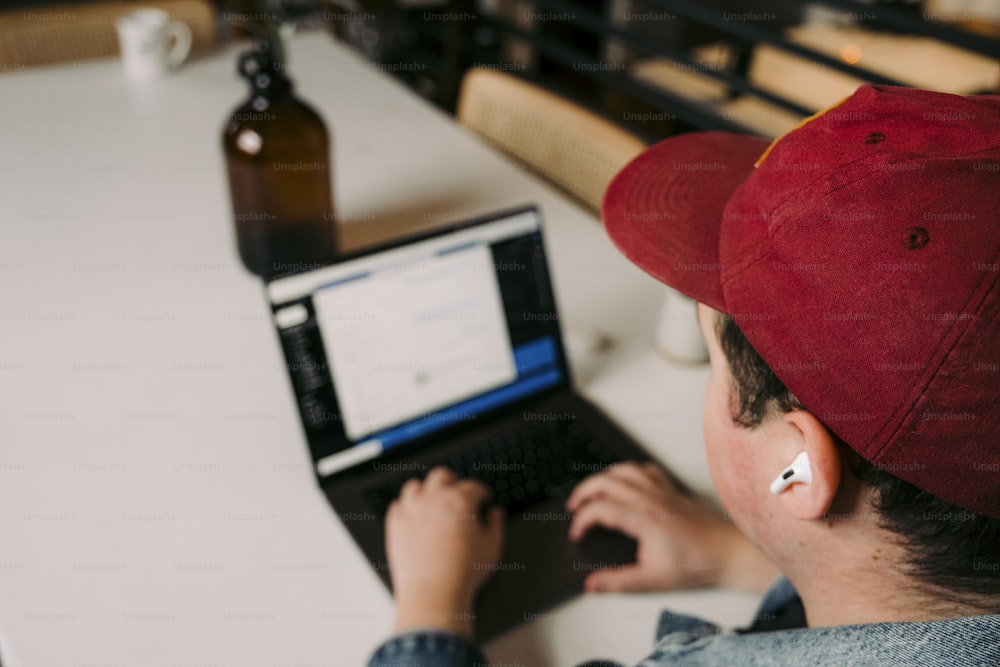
x: 917, y: 238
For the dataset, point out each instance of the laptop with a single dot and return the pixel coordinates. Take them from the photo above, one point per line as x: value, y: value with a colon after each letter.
x: 444, y: 348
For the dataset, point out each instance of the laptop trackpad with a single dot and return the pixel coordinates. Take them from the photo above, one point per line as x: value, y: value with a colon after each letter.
x: 544, y: 536
x: 601, y: 548
x: 541, y: 567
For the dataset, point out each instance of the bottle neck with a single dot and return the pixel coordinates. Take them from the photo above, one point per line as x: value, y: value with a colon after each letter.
x: 268, y: 90
x: 263, y: 68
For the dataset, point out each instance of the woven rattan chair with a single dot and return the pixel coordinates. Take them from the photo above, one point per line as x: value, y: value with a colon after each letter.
x: 54, y: 34
x: 566, y: 144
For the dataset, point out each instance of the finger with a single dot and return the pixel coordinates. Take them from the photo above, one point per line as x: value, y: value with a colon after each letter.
x: 439, y: 477
x: 391, y: 518
x: 585, y: 490
x: 631, y: 579
x: 609, y: 513
x: 655, y: 469
x: 496, y: 517
x: 391, y: 510
x: 473, y: 490
x: 493, y: 525
x: 603, y: 485
x: 638, y: 475
x: 495, y: 521
x: 409, y: 490
x: 650, y: 477
x: 667, y: 479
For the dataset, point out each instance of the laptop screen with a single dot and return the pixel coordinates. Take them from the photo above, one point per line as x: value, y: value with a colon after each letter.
x: 425, y: 335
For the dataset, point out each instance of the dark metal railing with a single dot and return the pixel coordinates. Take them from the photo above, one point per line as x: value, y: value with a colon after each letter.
x: 445, y: 49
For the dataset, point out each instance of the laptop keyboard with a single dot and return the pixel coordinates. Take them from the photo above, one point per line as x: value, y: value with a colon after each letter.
x: 523, y: 466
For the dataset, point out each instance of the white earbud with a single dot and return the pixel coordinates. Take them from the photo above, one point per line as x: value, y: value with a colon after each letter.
x: 799, y: 471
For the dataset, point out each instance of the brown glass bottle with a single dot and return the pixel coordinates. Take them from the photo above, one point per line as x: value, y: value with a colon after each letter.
x: 277, y: 157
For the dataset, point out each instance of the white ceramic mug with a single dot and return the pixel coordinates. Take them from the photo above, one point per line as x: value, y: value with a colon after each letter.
x: 678, y: 337
x: 145, y: 37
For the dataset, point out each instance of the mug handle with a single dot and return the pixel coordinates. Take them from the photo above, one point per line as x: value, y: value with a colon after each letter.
x: 182, y: 42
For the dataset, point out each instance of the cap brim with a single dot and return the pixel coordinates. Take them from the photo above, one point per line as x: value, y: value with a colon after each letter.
x: 665, y: 208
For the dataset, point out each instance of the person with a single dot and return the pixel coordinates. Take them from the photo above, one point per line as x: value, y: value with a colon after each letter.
x: 847, y: 280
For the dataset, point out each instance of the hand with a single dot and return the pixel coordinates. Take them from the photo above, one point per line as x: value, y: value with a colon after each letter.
x: 682, y: 541
x: 439, y: 550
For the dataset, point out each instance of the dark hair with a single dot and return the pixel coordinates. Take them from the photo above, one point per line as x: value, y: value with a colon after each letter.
x: 954, y: 550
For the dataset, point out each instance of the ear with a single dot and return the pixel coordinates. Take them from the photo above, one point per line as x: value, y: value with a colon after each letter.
x: 812, y: 501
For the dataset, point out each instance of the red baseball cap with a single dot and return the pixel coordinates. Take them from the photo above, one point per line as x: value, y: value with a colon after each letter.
x: 860, y: 255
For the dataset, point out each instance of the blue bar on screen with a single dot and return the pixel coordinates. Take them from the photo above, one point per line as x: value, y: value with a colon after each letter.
x: 458, y: 248
x: 345, y: 279
x: 467, y: 409
x: 535, y: 355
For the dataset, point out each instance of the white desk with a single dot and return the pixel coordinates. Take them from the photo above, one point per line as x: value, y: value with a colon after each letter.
x: 156, y: 502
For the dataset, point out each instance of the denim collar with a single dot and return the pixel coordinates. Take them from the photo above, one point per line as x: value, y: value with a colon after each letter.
x: 685, y: 640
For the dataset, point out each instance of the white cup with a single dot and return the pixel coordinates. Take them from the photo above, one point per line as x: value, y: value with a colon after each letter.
x: 678, y: 337
x: 145, y: 36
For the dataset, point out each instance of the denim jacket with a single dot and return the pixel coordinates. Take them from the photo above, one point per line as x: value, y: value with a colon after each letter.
x: 777, y: 637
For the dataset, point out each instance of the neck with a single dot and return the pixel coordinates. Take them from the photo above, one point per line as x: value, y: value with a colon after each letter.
x: 865, y: 582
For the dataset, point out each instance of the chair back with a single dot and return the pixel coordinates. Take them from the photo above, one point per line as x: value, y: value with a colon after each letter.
x: 568, y: 145
x: 55, y: 34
